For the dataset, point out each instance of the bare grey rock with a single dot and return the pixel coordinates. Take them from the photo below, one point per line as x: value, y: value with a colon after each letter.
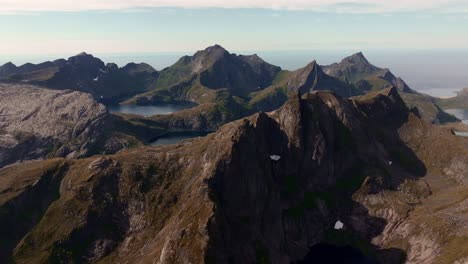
x: 36, y: 123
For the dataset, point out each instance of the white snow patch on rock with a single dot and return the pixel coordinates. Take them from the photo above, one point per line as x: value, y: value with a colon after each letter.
x: 275, y: 157
x: 339, y: 225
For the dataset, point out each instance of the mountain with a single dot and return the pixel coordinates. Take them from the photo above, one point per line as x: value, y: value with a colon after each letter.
x: 247, y: 84
x: 86, y: 73
x: 357, y: 70
x: 427, y: 108
x: 9, y: 69
x: 266, y: 188
x: 38, y: 123
x: 460, y: 101
x: 29, y: 72
x: 307, y: 79
x: 196, y: 78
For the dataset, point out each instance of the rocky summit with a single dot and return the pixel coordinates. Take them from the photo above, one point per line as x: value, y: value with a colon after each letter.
x: 34, y: 121
x: 37, y: 123
x: 227, y: 86
x: 267, y: 188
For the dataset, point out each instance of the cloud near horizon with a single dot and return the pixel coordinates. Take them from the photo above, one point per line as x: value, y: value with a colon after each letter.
x: 337, y: 6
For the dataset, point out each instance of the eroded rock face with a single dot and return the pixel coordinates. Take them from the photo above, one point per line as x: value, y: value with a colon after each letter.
x: 223, y: 199
x: 36, y: 122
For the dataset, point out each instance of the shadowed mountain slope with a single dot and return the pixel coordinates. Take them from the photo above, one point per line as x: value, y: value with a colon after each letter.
x: 357, y: 70
x: 262, y: 189
x: 457, y: 102
x: 85, y: 73
x: 248, y: 83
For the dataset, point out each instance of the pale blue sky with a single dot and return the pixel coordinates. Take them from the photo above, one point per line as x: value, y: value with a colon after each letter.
x: 424, y: 41
x: 357, y: 26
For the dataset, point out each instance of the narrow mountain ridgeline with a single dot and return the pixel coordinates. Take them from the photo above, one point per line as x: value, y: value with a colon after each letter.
x: 9, y: 69
x: 250, y: 81
x: 39, y: 123
x: 196, y: 78
x: 226, y: 86
x: 85, y: 73
x: 365, y: 77
x: 262, y: 189
x: 457, y: 102
x: 306, y: 79
x: 357, y: 70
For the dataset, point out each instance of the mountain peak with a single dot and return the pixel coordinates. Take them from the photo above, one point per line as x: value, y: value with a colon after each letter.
x: 356, y: 58
x: 82, y: 54
x: 311, y: 64
x: 211, y: 53
x: 216, y: 48
x: 9, y: 64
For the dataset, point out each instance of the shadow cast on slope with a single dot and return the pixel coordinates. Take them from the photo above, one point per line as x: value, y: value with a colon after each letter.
x: 267, y: 210
x: 21, y: 214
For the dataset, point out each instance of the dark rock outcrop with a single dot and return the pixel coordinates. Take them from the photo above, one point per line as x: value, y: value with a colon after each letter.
x: 357, y: 70
x: 9, y: 69
x: 460, y: 101
x: 262, y: 189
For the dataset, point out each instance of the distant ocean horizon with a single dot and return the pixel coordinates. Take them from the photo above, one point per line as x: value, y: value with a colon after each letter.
x: 434, y: 72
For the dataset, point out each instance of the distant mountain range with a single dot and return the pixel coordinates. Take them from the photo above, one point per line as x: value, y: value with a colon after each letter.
x: 267, y: 188
x: 81, y: 185
x: 231, y: 85
x: 358, y: 71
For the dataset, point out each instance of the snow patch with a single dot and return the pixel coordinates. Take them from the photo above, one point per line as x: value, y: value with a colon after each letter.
x: 275, y: 157
x: 339, y: 225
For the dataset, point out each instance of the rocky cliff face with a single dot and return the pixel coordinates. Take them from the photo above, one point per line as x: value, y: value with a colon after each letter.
x: 38, y: 123
x: 199, y: 77
x: 9, y: 69
x: 85, y: 73
x: 262, y: 189
x: 216, y: 68
x: 457, y: 102
x: 357, y: 70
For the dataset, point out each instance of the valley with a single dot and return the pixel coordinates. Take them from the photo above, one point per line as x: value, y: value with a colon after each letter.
x: 225, y: 158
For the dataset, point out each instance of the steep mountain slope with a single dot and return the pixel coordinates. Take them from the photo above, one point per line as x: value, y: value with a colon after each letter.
x: 195, y: 78
x: 107, y: 82
x: 39, y: 123
x: 252, y: 83
x: 85, y: 73
x: 457, y: 102
x: 357, y: 70
x: 264, y: 188
x: 307, y: 79
x: 9, y: 69
x: 427, y: 108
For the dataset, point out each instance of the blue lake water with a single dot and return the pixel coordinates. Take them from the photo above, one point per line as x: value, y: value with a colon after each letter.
x: 149, y: 110
x: 174, y: 137
x: 461, y: 114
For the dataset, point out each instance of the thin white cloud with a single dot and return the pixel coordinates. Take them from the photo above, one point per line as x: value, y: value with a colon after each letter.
x: 340, y: 6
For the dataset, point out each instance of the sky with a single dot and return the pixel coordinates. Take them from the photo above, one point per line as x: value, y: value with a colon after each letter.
x: 31, y: 27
